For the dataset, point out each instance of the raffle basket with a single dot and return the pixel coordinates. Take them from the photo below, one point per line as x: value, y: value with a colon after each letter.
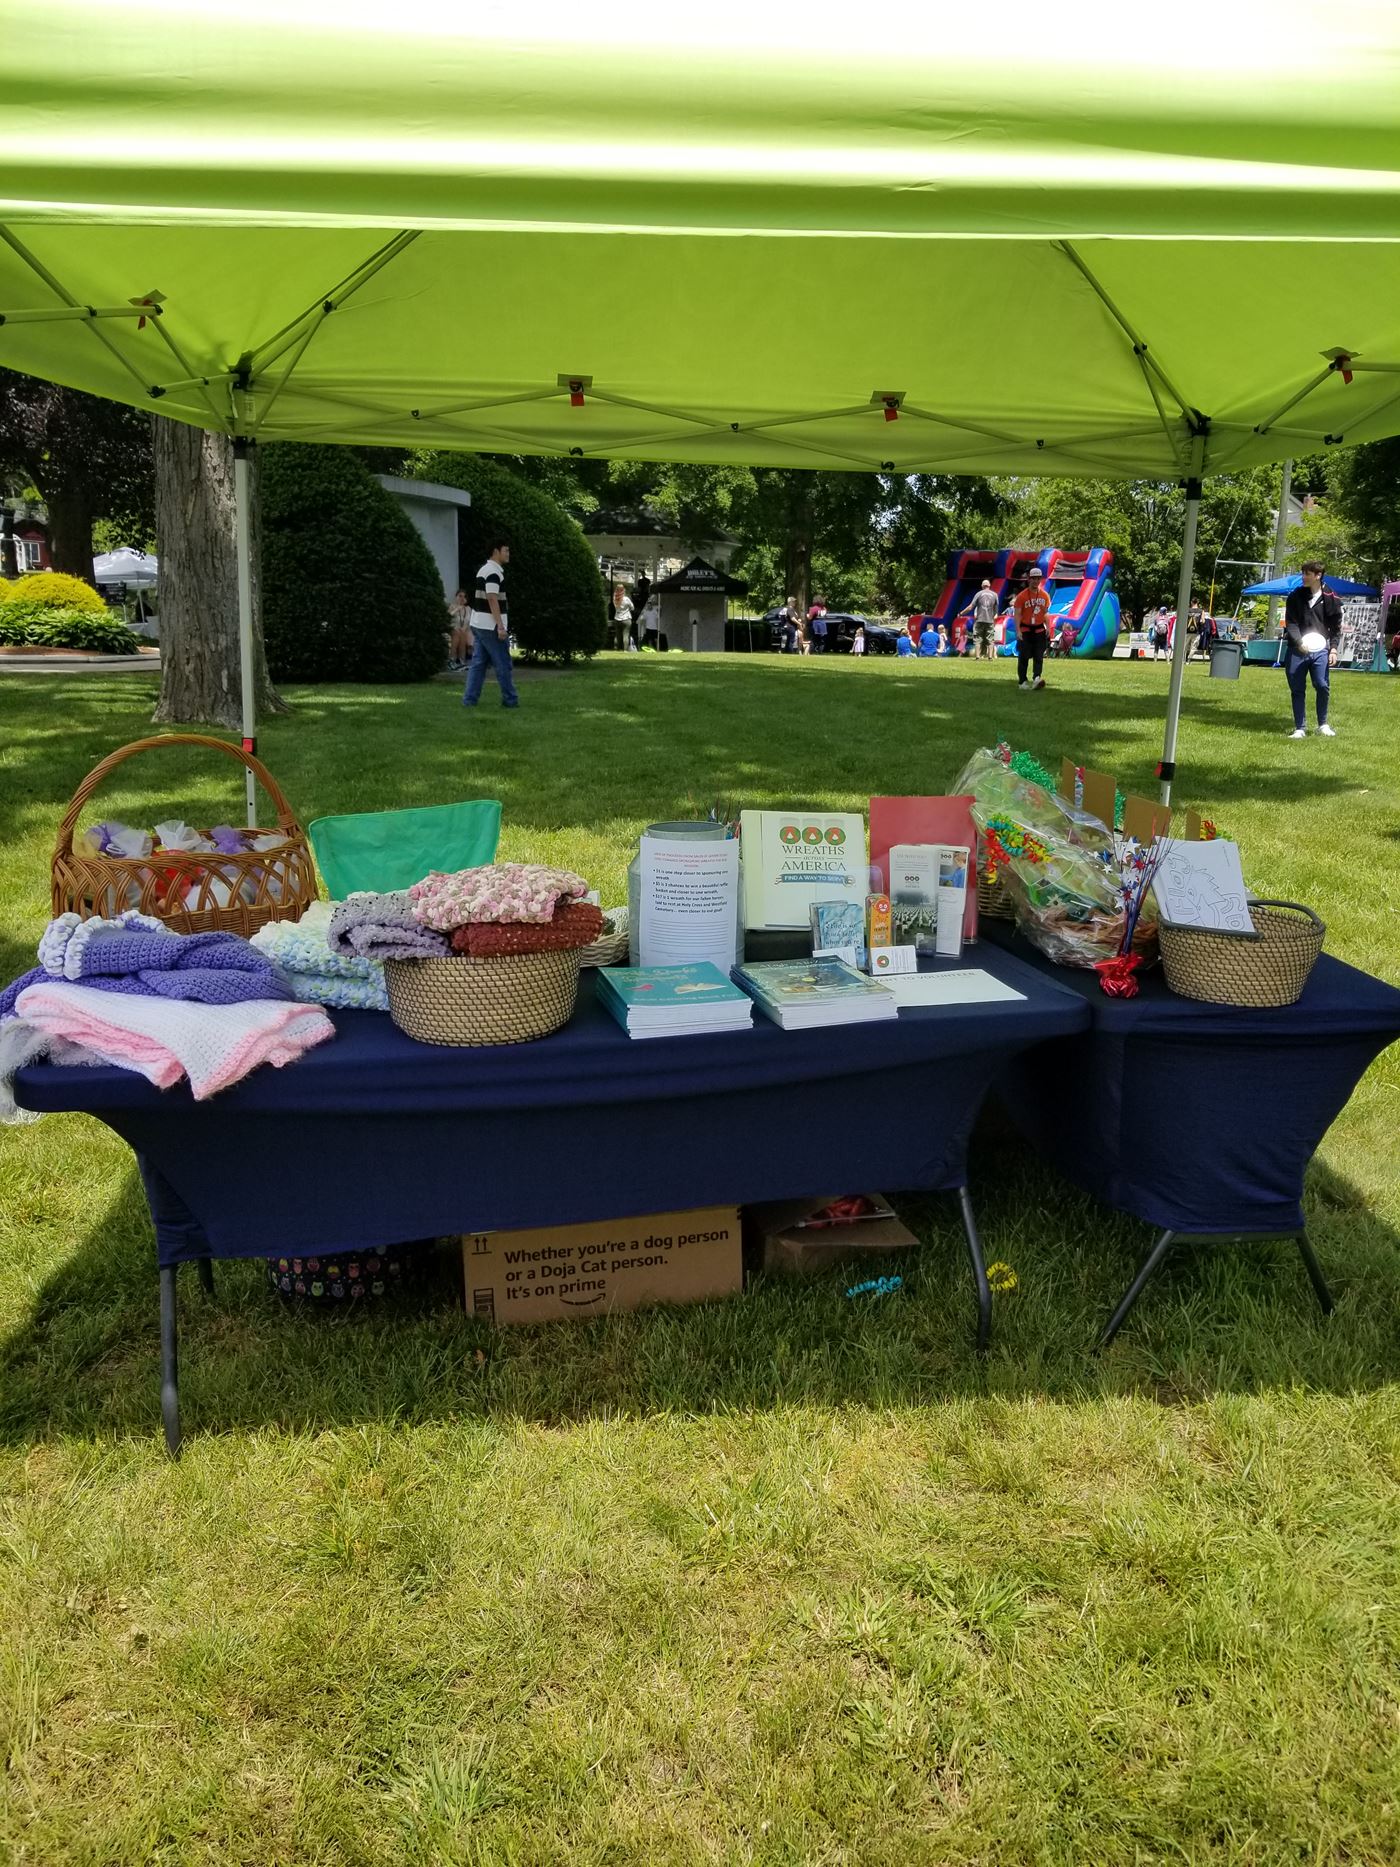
x: 509, y: 998
x: 1231, y: 969
x: 192, y: 892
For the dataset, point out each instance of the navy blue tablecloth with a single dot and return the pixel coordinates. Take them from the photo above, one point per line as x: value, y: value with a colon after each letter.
x: 373, y: 1139
x: 1198, y: 1118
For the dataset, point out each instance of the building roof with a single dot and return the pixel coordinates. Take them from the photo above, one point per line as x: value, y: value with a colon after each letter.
x: 698, y: 578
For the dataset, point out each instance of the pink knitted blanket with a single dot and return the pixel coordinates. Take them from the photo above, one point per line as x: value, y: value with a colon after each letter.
x: 165, y: 1039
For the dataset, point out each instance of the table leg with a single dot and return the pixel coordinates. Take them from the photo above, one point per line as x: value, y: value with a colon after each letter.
x: 1314, y: 1270
x: 979, y: 1272
x: 1150, y: 1265
x: 169, y: 1362
x: 206, y: 1276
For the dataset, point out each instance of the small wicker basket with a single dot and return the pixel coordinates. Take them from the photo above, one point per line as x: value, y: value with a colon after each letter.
x: 1231, y: 969
x: 463, y: 1001
x: 191, y: 892
x: 610, y: 948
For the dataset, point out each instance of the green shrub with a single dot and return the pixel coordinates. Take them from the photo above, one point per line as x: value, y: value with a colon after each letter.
x: 55, y: 589
x: 557, y: 606
x: 349, y: 590
x: 40, y: 625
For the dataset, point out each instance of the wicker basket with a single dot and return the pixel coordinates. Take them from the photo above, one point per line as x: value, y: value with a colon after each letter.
x: 992, y: 899
x: 610, y: 948
x: 192, y: 893
x: 1231, y: 969
x: 462, y: 1001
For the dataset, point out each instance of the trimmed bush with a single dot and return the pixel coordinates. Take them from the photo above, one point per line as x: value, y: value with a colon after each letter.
x: 56, y: 590
x: 41, y: 625
x: 349, y: 590
x: 556, y: 602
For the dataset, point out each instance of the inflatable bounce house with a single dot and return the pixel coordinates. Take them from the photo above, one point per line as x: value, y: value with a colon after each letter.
x: 1081, y: 590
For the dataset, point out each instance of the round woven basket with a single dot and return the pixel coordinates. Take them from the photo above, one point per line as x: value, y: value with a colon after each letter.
x: 1230, y: 969
x: 191, y: 893
x: 463, y: 1001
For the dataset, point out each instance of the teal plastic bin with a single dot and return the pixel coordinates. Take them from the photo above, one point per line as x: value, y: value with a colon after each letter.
x: 375, y: 851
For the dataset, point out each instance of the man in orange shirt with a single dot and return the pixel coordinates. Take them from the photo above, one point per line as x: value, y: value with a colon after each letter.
x: 1032, y: 611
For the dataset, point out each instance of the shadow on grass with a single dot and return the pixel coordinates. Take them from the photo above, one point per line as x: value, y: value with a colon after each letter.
x: 1220, y: 1319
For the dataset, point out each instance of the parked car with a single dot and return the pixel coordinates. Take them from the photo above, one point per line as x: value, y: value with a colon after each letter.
x: 841, y: 626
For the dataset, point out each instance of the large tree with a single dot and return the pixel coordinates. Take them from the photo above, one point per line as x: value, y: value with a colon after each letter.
x: 1366, y: 493
x: 88, y: 459
x: 1142, y: 523
x: 200, y: 667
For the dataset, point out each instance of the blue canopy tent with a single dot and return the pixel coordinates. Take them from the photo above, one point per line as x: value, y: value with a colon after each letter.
x: 1281, y: 586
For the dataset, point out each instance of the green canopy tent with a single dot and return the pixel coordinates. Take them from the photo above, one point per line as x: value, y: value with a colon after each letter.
x: 1000, y: 239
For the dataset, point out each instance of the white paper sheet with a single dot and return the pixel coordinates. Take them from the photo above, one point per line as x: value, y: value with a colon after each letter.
x: 689, y: 901
x: 1202, y: 885
x: 968, y: 985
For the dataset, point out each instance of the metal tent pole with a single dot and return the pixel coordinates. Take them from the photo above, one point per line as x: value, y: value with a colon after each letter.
x: 1180, y: 639
x: 1281, y: 537
x: 243, y: 535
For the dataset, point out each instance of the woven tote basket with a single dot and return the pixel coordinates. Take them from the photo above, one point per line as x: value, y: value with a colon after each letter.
x: 1229, y: 969
x: 196, y: 892
x: 463, y: 1001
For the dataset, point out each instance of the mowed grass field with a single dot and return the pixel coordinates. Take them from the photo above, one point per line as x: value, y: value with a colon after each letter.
x: 781, y: 1579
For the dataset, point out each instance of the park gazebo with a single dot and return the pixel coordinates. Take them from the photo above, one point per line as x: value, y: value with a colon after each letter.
x: 1001, y: 240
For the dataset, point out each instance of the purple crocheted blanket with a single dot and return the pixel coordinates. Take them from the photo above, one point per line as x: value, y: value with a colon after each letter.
x: 383, y: 927
x: 137, y: 956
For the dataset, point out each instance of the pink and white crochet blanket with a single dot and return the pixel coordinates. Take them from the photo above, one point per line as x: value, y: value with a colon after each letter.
x: 499, y: 892
x: 165, y: 1039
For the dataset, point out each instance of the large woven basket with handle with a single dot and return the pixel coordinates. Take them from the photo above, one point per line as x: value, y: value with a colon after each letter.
x: 193, y: 892
x: 1231, y: 969
x: 507, y: 999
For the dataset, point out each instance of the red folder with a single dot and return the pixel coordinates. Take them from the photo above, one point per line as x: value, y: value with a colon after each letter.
x: 924, y: 820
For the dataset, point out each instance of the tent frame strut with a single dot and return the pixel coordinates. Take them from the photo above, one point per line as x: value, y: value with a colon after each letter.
x: 1180, y: 636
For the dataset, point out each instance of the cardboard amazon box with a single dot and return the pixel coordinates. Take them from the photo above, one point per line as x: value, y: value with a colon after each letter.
x: 564, y: 1272
x: 782, y: 1243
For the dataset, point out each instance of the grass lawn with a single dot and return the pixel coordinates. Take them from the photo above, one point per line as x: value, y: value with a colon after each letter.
x: 782, y: 1579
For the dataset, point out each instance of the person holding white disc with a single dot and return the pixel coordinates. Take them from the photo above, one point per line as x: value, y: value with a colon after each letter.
x: 1312, y: 620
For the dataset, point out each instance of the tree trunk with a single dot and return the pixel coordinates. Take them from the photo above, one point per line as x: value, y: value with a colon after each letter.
x: 797, y: 556
x: 200, y: 680
x: 70, y: 530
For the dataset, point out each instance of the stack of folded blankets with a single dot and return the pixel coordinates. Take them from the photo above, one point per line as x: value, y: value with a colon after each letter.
x: 207, y: 1007
x: 318, y: 973
x: 507, y: 907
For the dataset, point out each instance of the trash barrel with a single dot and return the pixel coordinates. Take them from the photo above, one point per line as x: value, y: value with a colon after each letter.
x: 1226, y: 660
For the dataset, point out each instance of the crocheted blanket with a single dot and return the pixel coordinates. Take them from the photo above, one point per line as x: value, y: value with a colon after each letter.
x: 318, y: 976
x: 382, y: 927
x: 498, y: 892
x: 139, y: 957
x: 165, y: 1039
x: 577, y: 924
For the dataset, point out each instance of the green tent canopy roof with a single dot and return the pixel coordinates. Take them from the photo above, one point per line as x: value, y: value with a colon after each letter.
x: 1083, y: 239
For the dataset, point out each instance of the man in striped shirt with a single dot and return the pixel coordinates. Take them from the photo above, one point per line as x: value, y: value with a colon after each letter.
x: 491, y: 631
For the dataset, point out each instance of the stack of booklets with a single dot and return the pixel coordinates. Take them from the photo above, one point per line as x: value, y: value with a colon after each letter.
x: 804, y: 994
x: 673, y: 1001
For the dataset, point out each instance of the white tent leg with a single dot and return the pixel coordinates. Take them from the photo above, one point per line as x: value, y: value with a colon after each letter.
x: 1181, y: 641
x: 243, y: 534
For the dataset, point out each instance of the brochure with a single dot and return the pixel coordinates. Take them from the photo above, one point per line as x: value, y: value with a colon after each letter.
x: 795, y: 857
x: 965, y: 985
x: 922, y: 820
x: 802, y: 994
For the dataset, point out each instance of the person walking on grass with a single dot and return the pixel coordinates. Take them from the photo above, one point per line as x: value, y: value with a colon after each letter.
x: 1312, y: 627
x: 491, y: 631
x: 1032, y: 612
x: 621, y: 617
x: 983, y: 610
